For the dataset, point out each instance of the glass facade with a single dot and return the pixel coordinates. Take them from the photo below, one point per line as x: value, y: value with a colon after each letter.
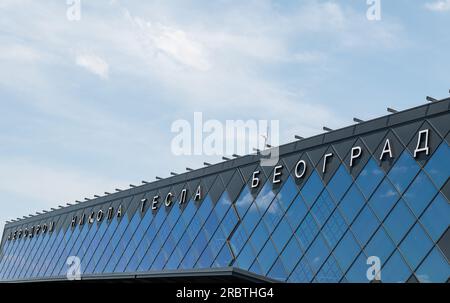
x: 323, y: 227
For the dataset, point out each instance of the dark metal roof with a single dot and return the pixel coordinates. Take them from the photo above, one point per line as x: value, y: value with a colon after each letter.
x: 401, y: 117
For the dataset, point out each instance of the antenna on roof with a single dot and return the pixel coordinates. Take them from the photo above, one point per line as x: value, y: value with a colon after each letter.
x: 391, y: 110
x: 431, y: 99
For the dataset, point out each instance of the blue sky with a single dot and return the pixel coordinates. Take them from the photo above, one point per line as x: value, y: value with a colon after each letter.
x: 87, y: 106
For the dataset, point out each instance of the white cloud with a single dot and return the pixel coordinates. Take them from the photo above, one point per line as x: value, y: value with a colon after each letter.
x: 438, y: 6
x: 94, y: 64
x: 173, y: 42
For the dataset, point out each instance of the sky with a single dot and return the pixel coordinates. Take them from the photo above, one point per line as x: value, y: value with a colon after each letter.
x: 87, y: 103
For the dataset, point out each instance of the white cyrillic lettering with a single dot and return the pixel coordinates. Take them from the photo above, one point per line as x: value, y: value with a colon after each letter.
x: 52, y: 227
x: 300, y: 173
x: 276, y: 173
x: 183, y: 196
x: 386, y: 149
x: 255, y: 179
x: 198, y: 194
x: 425, y: 148
x: 110, y: 212
x: 155, y: 203
x: 143, y: 203
x: 91, y: 218
x: 356, y: 153
x: 119, y: 212
x: 324, y: 168
x: 168, y: 200
x: 74, y: 221
x: 100, y: 215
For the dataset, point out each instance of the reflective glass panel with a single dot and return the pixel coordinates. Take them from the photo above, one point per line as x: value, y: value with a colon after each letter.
x: 340, y: 182
x: 439, y: 165
x: 403, y: 171
x: 436, y: 218
x: 369, y: 178
x: 384, y: 199
x: 365, y: 225
x: 435, y: 269
x: 395, y: 270
x: 312, y: 188
x: 420, y: 194
x: 399, y: 221
x: 352, y: 203
x: 415, y: 246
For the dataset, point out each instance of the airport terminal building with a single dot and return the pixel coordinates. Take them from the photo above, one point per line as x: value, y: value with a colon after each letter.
x: 337, y: 207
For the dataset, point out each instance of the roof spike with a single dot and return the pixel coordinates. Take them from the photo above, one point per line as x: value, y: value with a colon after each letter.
x: 391, y: 110
x: 431, y: 99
